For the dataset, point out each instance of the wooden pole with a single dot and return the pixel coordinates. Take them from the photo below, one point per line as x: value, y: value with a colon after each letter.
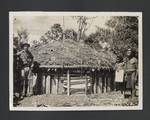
x: 63, y: 28
x: 68, y: 82
x: 57, y: 83
x: 86, y: 84
x: 48, y: 78
x: 44, y: 84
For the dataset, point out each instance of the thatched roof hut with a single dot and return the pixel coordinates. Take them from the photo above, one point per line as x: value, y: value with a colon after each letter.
x: 71, y: 53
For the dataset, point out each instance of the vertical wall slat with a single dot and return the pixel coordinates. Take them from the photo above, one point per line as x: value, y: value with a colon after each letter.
x: 68, y: 82
x: 48, y: 84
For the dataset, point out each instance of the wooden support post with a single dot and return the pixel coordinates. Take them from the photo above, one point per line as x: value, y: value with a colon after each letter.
x: 43, y: 83
x: 86, y: 84
x: 96, y: 82
x: 68, y: 82
x: 57, y: 83
x: 48, y: 78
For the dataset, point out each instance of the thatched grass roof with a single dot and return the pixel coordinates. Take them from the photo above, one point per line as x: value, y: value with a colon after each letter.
x: 69, y: 53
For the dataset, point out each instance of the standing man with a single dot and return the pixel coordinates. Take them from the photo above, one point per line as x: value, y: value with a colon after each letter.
x: 131, y: 66
x: 17, y: 66
x: 27, y: 59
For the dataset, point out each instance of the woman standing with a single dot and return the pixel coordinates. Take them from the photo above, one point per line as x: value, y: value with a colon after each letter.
x: 119, y: 75
x: 131, y: 66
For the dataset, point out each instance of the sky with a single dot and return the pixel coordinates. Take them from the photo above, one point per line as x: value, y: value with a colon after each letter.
x: 38, y: 25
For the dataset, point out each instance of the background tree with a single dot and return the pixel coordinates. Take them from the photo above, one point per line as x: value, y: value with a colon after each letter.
x: 35, y: 43
x: 70, y: 34
x: 99, y: 38
x: 125, y: 33
x: 43, y: 40
x: 57, y: 32
x: 82, y: 22
x: 23, y: 35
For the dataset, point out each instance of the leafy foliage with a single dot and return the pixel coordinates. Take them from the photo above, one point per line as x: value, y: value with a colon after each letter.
x: 83, y: 25
x: 35, y: 43
x: 96, y: 40
x: 126, y: 33
x: 55, y: 33
x: 97, y: 50
x: 70, y: 34
x: 23, y: 35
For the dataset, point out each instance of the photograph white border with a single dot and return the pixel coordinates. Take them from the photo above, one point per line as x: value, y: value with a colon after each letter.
x: 90, y: 108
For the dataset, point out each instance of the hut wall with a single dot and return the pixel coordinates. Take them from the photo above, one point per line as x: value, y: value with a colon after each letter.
x: 60, y: 80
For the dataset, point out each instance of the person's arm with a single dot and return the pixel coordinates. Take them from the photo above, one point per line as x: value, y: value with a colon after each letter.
x: 136, y: 64
x: 119, y: 66
x: 31, y: 60
x: 31, y: 57
x: 24, y: 59
x: 115, y: 67
x: 19, y: 53
x: 136, y: 74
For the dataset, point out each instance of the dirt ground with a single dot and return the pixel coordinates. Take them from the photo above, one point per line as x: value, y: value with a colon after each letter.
x: 105, y: 99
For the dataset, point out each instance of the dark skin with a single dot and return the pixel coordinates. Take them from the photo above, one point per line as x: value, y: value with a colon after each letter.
x: 129, y: 55
x: 26, y: 48
x: 129, y: 52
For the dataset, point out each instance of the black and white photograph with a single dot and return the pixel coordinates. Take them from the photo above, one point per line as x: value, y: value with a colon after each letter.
x: 75, y: 61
